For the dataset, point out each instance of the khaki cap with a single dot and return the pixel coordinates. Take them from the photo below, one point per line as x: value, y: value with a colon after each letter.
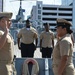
x: 63, y: 22
x: 6, y: 14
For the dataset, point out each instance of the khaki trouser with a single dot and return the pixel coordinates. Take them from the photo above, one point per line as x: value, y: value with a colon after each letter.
x: 14, y: 69
x: 69, y: 70
x: 55, y: 69
x: 5, y: 69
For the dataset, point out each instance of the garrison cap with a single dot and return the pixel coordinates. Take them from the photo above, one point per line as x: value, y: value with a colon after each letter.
x: 6, y: 14
x: 63, y: 22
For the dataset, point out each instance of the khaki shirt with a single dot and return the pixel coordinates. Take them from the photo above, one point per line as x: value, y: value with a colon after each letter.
x: 6, y: 52
x: 47, y: 38
x: 63, y: 47
x: 27, y: 36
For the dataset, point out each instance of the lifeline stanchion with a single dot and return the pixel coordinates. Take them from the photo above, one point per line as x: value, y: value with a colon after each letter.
x: 46, y: 67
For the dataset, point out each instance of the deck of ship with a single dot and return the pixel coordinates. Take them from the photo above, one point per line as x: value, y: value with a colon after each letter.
x: 37, y: 56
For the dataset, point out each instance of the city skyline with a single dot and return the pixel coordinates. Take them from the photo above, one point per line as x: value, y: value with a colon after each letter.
x: 27, y: 5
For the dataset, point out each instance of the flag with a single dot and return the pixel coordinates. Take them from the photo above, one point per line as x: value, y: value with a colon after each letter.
x: 23, y: 10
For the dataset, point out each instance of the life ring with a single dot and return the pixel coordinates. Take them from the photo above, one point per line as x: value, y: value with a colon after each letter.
x: 35, y: 67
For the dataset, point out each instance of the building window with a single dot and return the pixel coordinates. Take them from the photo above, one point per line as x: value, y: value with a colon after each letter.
x: 49, y: 8
x: 49, y: 13
x: 39, y: 6
x: 39, y: 23
x: 39, y: 11
x: 39, y: 16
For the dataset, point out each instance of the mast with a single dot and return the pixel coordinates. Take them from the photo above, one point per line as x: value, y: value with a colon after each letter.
x: 20, y: 16
x: 20, y: 3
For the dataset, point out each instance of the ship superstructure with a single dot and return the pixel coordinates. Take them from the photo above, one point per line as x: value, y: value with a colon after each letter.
x: 18, y: 23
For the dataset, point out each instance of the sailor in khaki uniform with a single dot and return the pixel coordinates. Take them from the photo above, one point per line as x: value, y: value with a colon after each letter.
x: 46, y: 42
x: 26, y: 37
x: 6, y: 44
x: 63, y: 51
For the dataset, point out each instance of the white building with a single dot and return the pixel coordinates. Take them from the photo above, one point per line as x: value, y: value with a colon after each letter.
x: 42, y: 13
x: 1, y: 5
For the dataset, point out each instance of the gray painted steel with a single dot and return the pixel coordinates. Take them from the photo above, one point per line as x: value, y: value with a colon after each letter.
x: 41, y: 62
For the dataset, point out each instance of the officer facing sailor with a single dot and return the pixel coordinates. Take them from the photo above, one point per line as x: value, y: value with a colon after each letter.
x: 63, y: 50
x: 6, y: 44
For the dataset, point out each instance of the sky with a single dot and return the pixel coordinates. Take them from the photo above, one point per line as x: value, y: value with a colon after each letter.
x: 13, y: 6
